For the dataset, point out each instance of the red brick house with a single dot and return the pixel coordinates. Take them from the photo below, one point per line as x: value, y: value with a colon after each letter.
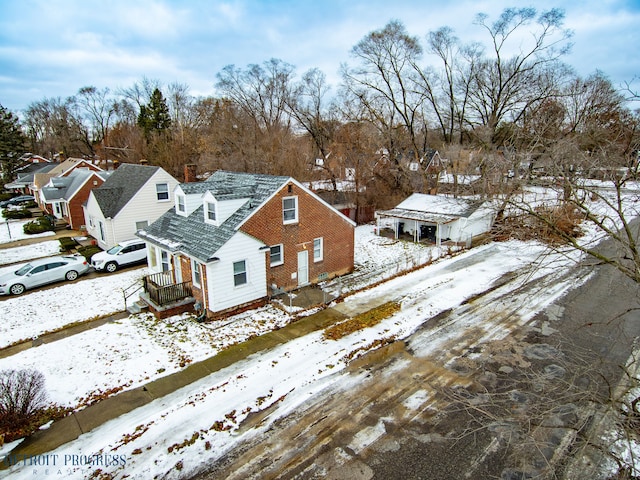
x: 232, y: 240
x: 64, y: 196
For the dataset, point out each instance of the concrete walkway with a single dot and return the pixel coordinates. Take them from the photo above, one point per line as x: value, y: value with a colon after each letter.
x: 83, y: 421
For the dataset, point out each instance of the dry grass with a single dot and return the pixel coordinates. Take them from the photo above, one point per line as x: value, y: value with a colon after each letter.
x: 361, y: 321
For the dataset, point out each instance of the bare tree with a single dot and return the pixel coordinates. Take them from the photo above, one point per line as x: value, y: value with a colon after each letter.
x: 506, y: 84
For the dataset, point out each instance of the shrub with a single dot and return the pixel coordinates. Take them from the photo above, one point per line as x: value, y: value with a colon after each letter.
x: 18, y: 213
x: 67, y: 243
x: 39, y: 225
x: 22, y: 397
x: 88, y: 251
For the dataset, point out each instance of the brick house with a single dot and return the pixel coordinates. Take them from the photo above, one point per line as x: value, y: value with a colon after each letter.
x: 64, y: 196
x: 232, y: 240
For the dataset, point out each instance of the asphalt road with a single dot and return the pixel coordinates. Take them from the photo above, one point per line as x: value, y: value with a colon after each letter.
x: 504, y: 396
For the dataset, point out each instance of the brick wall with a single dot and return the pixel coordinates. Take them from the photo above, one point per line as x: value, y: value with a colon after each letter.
x: 315, y: 220
x: 76, y: 212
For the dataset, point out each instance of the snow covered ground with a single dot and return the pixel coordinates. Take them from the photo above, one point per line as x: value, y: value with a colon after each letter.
x: 174, y: 435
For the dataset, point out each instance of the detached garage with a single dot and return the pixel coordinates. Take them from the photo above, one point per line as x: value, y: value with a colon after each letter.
x: 436, y: 218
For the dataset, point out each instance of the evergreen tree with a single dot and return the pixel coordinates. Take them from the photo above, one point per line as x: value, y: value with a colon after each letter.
x: 154, y: 117
x: 12, y: 143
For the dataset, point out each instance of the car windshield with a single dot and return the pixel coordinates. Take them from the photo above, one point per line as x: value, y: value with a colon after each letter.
x: 24, y: 270
x: 114, y: 250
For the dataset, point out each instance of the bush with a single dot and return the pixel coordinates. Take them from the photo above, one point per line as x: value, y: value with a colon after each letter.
x: 67, y: 244
x: 22, y: 397
x: 88, y: 251
x: 19, y: 213
x: 39, y: 225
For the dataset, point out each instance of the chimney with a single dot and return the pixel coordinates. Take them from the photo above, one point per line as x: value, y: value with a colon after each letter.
x: 190, y: 173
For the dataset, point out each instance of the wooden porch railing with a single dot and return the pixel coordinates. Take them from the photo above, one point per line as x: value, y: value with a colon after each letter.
x: 162, y: 290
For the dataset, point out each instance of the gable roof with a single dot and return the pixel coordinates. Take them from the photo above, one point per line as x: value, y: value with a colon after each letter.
x: 64, y: 188
x: 121, y: 186
x: 432, y: 208
x: 196, y: 238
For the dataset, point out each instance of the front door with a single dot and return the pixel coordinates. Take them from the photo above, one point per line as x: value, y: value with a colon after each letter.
x: 303, y: 268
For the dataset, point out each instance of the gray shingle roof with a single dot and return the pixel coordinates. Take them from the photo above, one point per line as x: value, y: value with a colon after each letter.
x: 201, y: 240
x: 121, y: 186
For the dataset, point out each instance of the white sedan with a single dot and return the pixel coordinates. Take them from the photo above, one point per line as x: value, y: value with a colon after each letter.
x: 43, y: 271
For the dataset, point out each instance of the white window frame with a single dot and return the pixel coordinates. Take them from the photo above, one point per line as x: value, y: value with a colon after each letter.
x: 286, y: 221
x: 153, y: 257
x: 181, y: 204
x: 165, y: 261
x: 139, y: 227
x: 196, y: 274
x: 243, y: 273
x: 207, y: 210
x: 281, y: 254
x: 160, y: 192
x: 318, y: 249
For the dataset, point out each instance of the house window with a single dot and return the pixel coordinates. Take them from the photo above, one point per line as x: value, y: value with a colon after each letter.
x: 141, y: 225
x: 153, y: 259
x: 195, y: 273
x: 276, y: 255
x: 180, y: 206
x: 101, y: 226
x: 162, y: 191
x: 317, y: 249
x: 166, y: 262
x: 290, y: 209
x: 210, y: 209
x: 239, y: 273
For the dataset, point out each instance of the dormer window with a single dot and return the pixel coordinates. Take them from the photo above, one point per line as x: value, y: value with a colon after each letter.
x: 180, y: 204
x: 210, y: 213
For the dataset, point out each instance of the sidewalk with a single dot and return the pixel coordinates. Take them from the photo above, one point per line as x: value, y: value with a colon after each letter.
x: 31, y: 241
x: 83, y: 421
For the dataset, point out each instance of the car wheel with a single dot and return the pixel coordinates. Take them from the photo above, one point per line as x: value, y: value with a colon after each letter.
x: 17, y: 289
x: 71, y: 275
x: 111, y: 267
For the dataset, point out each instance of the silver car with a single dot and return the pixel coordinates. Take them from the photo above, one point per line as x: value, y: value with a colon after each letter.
x: 41, y: 272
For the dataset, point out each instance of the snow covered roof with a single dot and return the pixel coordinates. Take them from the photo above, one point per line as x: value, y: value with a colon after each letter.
x: 191, y: 234
x: 432, y: 208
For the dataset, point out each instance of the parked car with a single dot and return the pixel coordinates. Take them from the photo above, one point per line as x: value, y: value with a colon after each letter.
x: 41, y: 272
x: 17, y: 201
x: 124, y: 253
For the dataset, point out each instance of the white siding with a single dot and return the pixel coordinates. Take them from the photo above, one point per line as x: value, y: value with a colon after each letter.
x: 143, y: 206
x: 222, y: 293
x: 92, y: 217
x: 192, y: 202
x: 225, y: 208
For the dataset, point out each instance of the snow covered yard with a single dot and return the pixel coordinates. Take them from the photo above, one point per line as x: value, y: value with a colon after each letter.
x: 130, y: 352
x: 174, y: 435
x: 12, y: 230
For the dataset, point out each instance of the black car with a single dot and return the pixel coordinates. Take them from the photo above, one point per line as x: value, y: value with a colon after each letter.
x: 17, y: 200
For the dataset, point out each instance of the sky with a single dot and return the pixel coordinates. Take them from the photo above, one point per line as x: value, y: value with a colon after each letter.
x: 51, y: 49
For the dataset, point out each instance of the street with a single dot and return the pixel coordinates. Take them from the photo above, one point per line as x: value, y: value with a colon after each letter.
x: 482, y: 391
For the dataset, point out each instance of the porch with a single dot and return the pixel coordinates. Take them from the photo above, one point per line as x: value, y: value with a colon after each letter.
x: 165, y: 296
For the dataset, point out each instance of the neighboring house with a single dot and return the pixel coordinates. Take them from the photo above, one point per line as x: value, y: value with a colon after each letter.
x: 235, y: 238
x: 64, y: 197
x: 42, y: 178
x: 23, y: 182
x: 130, y: 199
x: 437, y: 218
